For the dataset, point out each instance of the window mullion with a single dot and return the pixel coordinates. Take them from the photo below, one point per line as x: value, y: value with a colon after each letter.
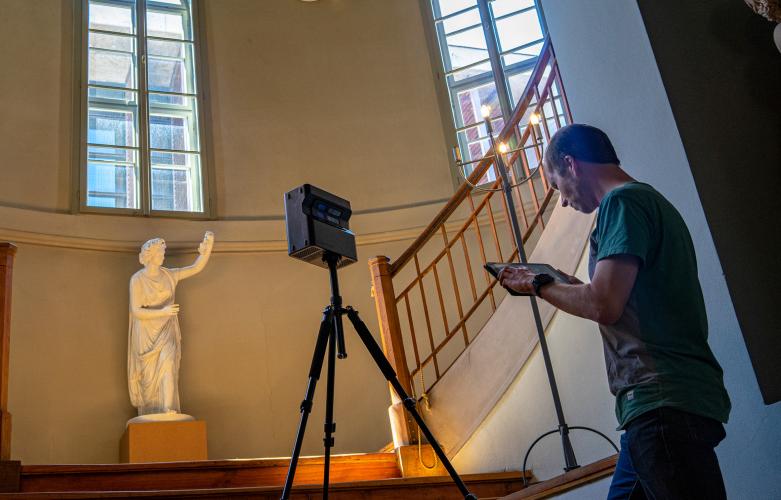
x: 496, y: 62
x: 144, y: 157
x: 515, y: 13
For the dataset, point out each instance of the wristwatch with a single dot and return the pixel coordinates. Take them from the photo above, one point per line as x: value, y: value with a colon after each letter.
x: 540, y: 280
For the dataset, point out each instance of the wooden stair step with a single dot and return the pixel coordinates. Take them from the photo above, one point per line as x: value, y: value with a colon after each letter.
x: 208, y: 474
x: 485, y: 486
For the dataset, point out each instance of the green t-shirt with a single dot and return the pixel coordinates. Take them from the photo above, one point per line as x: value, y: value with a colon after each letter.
x: 657, y: 354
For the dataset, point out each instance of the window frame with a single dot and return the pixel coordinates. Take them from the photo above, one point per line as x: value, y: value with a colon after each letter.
x: 143, y: 123
x: 499, y: 75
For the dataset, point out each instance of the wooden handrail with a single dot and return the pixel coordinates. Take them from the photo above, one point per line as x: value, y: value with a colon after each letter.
x: 7, y: 253
x: 441, y: 312
x: 482, y: 166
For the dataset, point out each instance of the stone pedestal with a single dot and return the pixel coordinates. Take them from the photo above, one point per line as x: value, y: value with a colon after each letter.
x: 163, y: 442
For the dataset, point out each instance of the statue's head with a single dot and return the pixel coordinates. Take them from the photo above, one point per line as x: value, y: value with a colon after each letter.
x: 151, y: 249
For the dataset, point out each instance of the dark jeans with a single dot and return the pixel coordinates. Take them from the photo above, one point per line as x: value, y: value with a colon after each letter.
x: 668, y: 454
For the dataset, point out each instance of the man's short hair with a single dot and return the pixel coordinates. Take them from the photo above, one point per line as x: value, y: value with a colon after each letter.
x: 582, y: 142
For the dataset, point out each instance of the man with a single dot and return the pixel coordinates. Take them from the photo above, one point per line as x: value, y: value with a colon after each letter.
x: 646, y: 297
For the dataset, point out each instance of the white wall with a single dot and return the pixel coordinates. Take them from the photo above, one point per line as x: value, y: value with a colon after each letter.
x: 612, y: 81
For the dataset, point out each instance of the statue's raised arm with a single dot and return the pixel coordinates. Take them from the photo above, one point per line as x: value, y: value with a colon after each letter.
x: 204, y: 251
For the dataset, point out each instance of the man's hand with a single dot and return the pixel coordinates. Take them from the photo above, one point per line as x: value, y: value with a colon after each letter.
x: 571, y: 279
x: 518, y: 279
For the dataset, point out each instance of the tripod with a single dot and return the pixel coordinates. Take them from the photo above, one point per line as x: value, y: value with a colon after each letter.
x: 331, y: 334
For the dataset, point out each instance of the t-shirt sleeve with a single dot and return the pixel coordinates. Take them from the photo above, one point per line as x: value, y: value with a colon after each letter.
x: 623, y: 228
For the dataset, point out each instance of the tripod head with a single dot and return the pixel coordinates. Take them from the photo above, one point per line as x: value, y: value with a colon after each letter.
x: 332, y: 259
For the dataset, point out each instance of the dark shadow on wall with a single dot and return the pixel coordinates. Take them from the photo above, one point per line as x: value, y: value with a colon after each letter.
x: 722, y: 74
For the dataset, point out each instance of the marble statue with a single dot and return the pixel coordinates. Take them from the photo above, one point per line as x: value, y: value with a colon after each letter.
x: 154, y: 339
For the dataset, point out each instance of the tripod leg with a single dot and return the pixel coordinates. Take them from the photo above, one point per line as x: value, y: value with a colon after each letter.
x: 326, y: 330
x: 409, y: 403
x: 329, y: 426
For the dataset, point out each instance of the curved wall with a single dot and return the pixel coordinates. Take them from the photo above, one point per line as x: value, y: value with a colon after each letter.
x: 613, y: 81
x: 340, y: 94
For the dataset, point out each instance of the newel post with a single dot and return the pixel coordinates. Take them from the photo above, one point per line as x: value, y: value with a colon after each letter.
x: 7, y: 252
x: 393, y: 346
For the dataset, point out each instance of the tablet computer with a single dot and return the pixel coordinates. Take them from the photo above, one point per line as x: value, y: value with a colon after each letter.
x: 495, y: 268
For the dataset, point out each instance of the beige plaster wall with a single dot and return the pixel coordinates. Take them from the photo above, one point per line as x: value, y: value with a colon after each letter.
x: 36, y: 79
x: 340, y: 94
x: 336, y: 93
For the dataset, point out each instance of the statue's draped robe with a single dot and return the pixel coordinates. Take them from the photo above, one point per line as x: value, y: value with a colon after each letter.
x: 154, y: 346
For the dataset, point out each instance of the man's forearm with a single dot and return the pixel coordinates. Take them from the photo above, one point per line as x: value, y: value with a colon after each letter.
x: 603, y: 300
x: 579, y: 300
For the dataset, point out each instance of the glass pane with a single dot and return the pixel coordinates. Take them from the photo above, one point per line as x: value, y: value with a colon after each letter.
x: 469, y: 102
x: 173, y: 126
x: 503, y: 7
x: 522, y: 55
x: 112, y: 178
x: 461, y: 21
x: 466, y: 47
x: 475, y: 140
x: 169, y: 24
x: 176, y: 182
x: 524, y: 121
x: 518, y: 30
x: 179, y: 3
x: 112, y: 125
x: 171, y: 66
x: 112, y: 60
x: 473, y: 71
x: 474, y: 145
x: 111, y: 17
x: 445, y: 7
x: 517, y: 84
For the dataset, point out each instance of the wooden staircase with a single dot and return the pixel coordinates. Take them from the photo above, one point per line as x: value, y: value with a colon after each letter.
x: 359, y: 476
